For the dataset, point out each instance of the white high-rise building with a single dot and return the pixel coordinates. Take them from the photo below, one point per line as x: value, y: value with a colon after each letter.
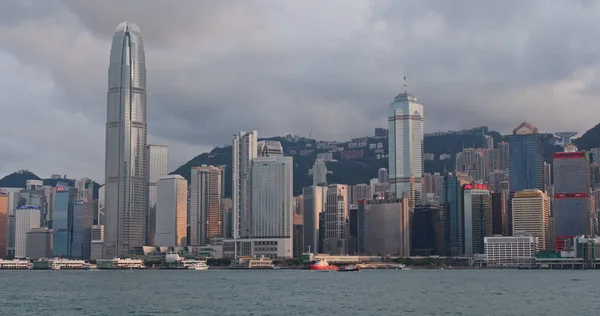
x: 243, y: 153
x: 158, y: 164
x: 272, y: 194
x: 383, y: 176
x: 405, y: 140
x: 26, y: 218
x: 125, y: 163
x: 269, y: 147
x: 171, y: 211
x: 206, y: 214
x: 319, y: 172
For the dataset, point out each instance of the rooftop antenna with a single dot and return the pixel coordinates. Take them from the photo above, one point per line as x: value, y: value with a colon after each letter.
x: 405, y: 85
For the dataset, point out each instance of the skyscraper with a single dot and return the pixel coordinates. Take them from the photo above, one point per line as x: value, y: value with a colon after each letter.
x: 171, y: 211
x: 62, y: 221
x: 314, y: 205
x: 477, y: 209
x: 526, y: 159
x: 572, y: 202
x: 125, y: 169
x: 158, y: 161
x: 385, y: 227
x: 530, y: 214
x: 26, y: 218
x: 452, y: 207
x: 83, y: 220
x: 272, y: 194
x: 244, y: 151
x: 206, y: 215
x: 336, y: 216
x: 3, y: 223
x: 405, y: 141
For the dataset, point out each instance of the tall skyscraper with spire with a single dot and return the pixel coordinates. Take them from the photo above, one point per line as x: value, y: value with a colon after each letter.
x: 405, y: 141
x: 125, y: 173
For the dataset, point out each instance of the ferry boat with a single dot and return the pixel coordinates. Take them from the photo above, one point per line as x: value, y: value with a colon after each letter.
x: 323, y: 265
x: 198, y: 266
x: 252, y: 263
x: 15, y: 264
x: 350, y: 268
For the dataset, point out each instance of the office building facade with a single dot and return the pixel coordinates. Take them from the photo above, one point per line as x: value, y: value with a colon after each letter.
x: 526, y: 159
x: 477, y: 207
x: 206, y: 215
x: 427, y: 231
x: 39, y: 243
x: 62, y: 220
x: 272, y: 195
x: 572, y: 208
x: 314, y: 205
x: 171, y: 211
x: 26, y: 218
x: 385, y: 227
x: 158, y: 163
x: 335, y: 240
x: 530, y: 214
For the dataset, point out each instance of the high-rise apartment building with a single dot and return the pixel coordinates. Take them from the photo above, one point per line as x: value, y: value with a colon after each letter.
x: 314, y: 205
x: 452, y: 207
x: 530, y: 214
x: 206, y: 215
x: 473, y: 163
x: 171, y: 211
x: 405, y: 142
x: 526, y: 159
x: 272, y: 194
x: 3, y: 223
x: 26, y: 218
x: 385, y: 227
x: 383, y: 175
x: 85, y: 190
x: 572, y: 209
x: 126, y: 134
x: 62, y: 220
x: 319, y: 172
x: 244, y: 151
x: 495, y: 178
x: 158, y: 164
x: 336, y: 217
x: 361, y: 191
x: 477, y: 208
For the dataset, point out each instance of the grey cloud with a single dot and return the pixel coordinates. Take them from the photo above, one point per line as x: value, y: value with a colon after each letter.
x: 325, y: 68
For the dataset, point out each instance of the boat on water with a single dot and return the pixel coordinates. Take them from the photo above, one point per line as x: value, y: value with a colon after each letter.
x: 252, y: 263
x: 349, y: 268
x: 54, y: 266
x: 402, y: 267
x: 274, y: 267
x: 198, y: 266
x: 323, y: 265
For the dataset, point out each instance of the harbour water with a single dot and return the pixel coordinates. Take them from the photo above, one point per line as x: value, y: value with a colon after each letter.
x: 299, y: 292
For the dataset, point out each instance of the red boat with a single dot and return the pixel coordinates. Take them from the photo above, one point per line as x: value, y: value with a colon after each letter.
x: 323, y: 265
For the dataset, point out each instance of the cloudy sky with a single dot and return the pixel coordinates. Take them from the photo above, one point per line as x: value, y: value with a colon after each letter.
x: 325, y: 68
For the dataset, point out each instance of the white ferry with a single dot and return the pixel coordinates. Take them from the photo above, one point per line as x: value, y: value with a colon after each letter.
x: 118, y: 263
x: 198, y: 266
x: 252, y: 263
x: 15, y: 264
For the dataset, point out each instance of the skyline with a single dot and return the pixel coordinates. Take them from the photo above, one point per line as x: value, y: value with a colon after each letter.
x: 455, y: 63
